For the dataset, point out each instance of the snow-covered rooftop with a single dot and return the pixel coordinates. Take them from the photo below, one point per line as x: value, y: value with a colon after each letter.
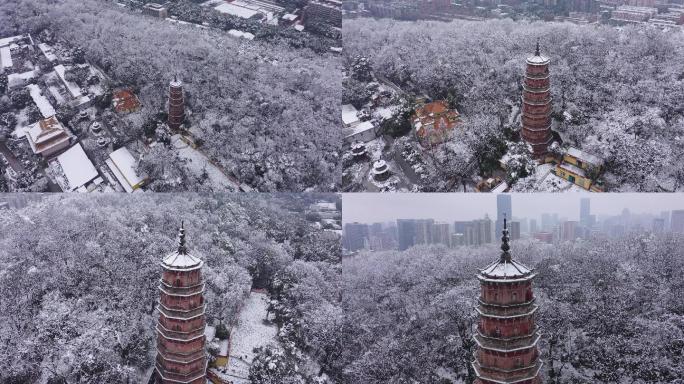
x: 9, y: 40
x: 77, y: 168
x: 6, y: 57
x: 72, y: 87
x: 538, y: 60
x: 236, y: 10
x: 583, y: 156
x: 181, y: 259
x: 41, y: 101
x: 349, y: 114
x: 362, y: 127
x: 125, y: 164
x: 510, y: 269
x: 47, y: 51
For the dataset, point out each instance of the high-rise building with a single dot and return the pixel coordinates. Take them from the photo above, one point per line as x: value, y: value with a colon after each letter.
x: 355, y: 236
x: 536, y: 104
x: 515, y: 230
x: 441, y: 234
x: 181, y: 354
x: 176, y: 104
x: 504, y: 209
x: 658, y: 225
x: 585, y: 212
x: 533, y: 226
x: 677, y: 221
x: 424, y: 231
x: 568, y: 231
x: 506, y: 335
x: 406, y: 233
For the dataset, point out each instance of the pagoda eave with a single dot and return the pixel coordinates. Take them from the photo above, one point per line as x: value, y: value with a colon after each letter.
x: 483, y: 376
x: 507, y: 316
x: 519, y: 344
x: 505, y: 279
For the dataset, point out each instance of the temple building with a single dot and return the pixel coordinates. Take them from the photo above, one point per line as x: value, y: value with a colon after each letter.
x: 181, y: 354
x: 506, y: 335
x: 176, y: 104
x: 536, y: 107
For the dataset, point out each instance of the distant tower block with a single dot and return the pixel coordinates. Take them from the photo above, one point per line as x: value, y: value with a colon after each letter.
x: 536, y: 110
x: 506, y: 334
x: 176, y: 104
x: 181, y: 356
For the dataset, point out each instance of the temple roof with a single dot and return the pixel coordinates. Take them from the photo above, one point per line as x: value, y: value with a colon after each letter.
x: 506, y: 268
x: 538, y: 58
x: 181, y: 260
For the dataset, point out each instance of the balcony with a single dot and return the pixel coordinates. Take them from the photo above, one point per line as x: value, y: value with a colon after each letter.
x: 180, y: 314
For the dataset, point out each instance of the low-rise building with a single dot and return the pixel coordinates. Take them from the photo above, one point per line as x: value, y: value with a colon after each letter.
x: 74, y: 170
x: 156, y: 10
x: 324, y: 11
x: 433, y: 122
x: 123, y: 165
x: 125, y: 101
x: 48, y: 136
x: 580, y: 168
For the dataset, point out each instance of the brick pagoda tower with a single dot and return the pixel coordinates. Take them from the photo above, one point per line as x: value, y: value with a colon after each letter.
x: 181, y: 355
x: 536, y: 108
x: 506, y: 335
x: 176, y: 104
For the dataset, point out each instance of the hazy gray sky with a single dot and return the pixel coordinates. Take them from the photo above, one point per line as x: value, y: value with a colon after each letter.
x: 380, y: 207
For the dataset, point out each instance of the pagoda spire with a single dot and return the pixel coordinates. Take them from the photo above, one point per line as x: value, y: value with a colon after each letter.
x: 182, y: 249
x: 505, y: 248
x: 536, y: 52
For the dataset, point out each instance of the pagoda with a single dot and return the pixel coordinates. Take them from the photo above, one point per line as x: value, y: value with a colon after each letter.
x: 181, y: 356
x: 176, y: 104
x: 506, y: 335
x: 536, y: 107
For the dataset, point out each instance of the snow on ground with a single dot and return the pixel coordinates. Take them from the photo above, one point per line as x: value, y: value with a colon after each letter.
x: 198, y: 162
x: 41, y: 101
x: 374, y: 149
x: 552, y: 183
x: 251, y: 332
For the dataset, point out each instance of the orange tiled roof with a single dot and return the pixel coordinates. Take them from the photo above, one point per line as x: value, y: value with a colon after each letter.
x: 125, y: 101
x: 435, y: 118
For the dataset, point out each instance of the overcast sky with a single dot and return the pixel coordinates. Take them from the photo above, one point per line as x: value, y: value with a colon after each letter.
x: 381, y: 207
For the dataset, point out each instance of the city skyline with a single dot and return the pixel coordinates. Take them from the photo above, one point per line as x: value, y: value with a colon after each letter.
x: 372, y: 208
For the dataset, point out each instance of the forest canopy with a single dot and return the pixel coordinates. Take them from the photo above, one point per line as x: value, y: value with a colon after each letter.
x: 622, y: 88
x: 266, y: 112
x: 79, y: 278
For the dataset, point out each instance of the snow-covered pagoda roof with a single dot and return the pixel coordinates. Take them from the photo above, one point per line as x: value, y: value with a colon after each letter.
x: 538, y: 58
x: 505, y: 268
x: 181, y: 259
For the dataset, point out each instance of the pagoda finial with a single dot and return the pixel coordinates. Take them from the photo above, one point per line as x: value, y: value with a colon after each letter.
x: 181, y: 240
x: 536, y: 52
x: 505, y: 255
x: 175, y: 75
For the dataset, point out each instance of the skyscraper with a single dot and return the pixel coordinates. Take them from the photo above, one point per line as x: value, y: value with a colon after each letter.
x: 406, y: 233
x: 355, y: 236
x: 585, y: 212
x: 677, y: 221
x: 504, y: 208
